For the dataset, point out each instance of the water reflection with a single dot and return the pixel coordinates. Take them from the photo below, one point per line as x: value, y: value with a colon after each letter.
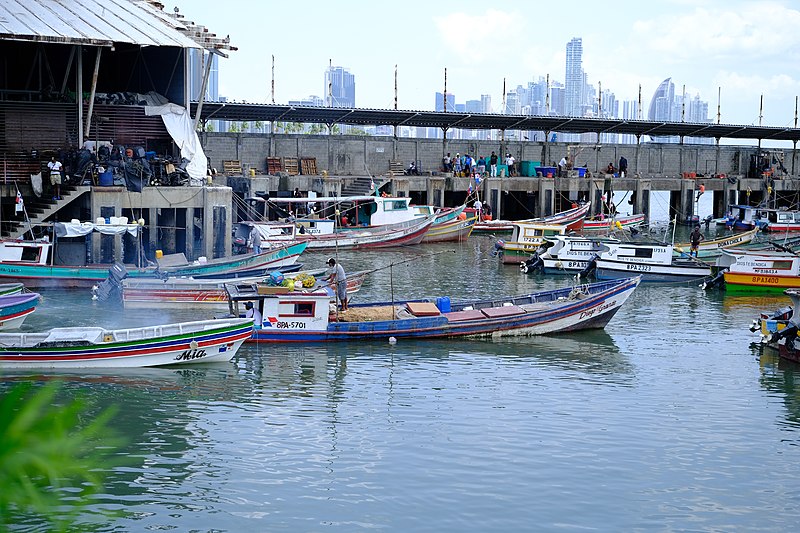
x: 781, y: 378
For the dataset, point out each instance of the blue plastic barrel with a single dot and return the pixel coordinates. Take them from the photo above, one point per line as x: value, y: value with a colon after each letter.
x: 443, y: 304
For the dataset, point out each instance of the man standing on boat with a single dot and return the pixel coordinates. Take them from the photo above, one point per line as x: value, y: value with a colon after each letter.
x: 338, y: 280
x: 696, y: 237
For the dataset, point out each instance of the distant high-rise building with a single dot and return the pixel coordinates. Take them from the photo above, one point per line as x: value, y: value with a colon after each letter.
x: 340, y: 87
x: 312, y: 100
x: 574, y: 80
x: 197, y: 65
x: 557, y: 99
x: 512, y: 104
x: 451, y: 102
x: 661, y: 105
x: 473, y: 106
x: 486, y: 103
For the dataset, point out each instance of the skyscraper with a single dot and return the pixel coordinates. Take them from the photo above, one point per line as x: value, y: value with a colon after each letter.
x: 340, y: 87
x: 439, y: 104
x: 574, y: 79
x: 663, y: 101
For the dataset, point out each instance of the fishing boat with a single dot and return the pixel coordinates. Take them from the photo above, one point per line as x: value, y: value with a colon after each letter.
x: 782, y: 221
x: 654, y: 262
x: 527, y: 237
x: 758, y: 271
x: 454, y: 230
x: 780, y: 332
x: 713, y: 247
x: 323, y: 235
x: 15, y: 308
x: 745, y: 217
x: 11, y: 288
x: 610, y: 223
x: 180, y: 344
x: 30, y: 262
x: 206, y: 294
x: 566, y: 254
x: 309, y: 317
x: 568, y: 216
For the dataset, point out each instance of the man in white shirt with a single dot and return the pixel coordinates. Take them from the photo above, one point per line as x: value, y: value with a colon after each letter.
x: 55, y: 177
x: 510, y: 162
x: 478, y: 206
x: 255, y: 314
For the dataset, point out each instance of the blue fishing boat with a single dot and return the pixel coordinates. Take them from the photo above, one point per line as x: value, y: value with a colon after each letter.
x: 300, y: 316
x: 15, y: 308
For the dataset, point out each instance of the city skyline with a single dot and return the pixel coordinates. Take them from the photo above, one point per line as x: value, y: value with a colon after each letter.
x: 705, y: 47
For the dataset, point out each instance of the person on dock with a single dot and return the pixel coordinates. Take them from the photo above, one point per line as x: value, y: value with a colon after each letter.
x: 493, y: 165
x: 338, y: 280
x: 623, y: 166
x: 255, y: 238
x: 695, y: 239
x: 55, y: 177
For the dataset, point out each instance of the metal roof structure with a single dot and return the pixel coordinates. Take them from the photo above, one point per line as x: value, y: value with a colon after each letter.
x: 337, y: 115
x: 102, y: 23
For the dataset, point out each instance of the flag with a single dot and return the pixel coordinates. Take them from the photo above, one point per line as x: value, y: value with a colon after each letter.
x: 470, y: 188
x: 20, y: 203
x: 477, y: 180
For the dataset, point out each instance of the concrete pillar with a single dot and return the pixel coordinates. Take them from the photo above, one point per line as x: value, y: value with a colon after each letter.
x: 641, y: 202
x: 435, y: 191
x: 493, y: 193
x: 636, y: 156
x: 686, y: 200
x: 152, y: 226
x: 190, y: 251
x: 596, y: 191
x: 547, y: 197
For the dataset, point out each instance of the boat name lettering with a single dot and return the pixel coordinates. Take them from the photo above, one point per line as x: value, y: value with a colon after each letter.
x: 729, y: 242
x: 188, y: 355
x: 772, y: 280
x: 599, y: 309
x: 291, y: 325
x: 638, y: 267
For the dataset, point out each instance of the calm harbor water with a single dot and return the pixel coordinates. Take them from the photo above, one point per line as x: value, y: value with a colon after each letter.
x: 669, y: 419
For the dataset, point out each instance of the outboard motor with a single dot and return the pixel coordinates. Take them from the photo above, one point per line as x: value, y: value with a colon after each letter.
x: 111, y: 287
x: 590, y: 267
x: 498, y: 248
x: 533, y: 264
x: 714, y: 282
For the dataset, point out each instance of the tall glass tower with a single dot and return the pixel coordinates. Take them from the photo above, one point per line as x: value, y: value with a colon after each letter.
x: 574, y: 79
x: 340, y: 87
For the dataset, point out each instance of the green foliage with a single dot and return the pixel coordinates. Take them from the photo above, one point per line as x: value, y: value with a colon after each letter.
x: 235, y: 127
x: 358, y: 131
x: 317, y: 129
x: 51, y: 459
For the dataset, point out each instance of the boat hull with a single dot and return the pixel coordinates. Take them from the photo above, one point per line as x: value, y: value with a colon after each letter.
x: 15, y: 308
x: 678, y: 272
x: 452, y: 231
x: 558, y: 311
x: 59, y: 276
x: 751, y: 282
x: 170, y: 344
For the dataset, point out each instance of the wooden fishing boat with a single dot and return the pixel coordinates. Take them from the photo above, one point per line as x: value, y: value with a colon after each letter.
x: 566, y: 254
x: 782, y: 221
x: 454, y: 230
x: 29, y: 262
x: 309, y: 318
x: 324, y: 235
x: 15, y: 308
x: 610, y: 223
x: 85, y: 347
x: 745, y: 217
x: 562, y: 217
x: 204, y: 294
x: 527, y: 237
x: 759, y: 271
x: 713, y: 247
x: 780, y: 332
x: 11, y: 288
x: 654, y: 262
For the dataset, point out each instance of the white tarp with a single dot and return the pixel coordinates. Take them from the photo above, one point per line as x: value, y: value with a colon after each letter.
x: 181, y: 128
x: 79, y: 229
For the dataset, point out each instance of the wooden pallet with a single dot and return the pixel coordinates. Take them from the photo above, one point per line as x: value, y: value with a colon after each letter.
x: 231, y: 167
x: 290, y: 166
x: 396, y: 168
x: 308, y: 166
x: 274, y: 165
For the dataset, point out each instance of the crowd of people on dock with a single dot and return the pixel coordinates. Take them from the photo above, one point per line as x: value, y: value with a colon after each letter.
x: 468, y: 166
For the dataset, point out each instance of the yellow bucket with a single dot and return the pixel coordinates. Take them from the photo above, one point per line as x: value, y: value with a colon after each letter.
x: 159, y: 254
x: 252, y: 172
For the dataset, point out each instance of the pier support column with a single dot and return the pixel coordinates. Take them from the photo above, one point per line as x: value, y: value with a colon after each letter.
x: 435, y: 191
x: 547, y: 196
x: 152, y: 230
x: 400, y: 187
x: 190, y: 214
x: 167, y: 221
x: 596, y: 191
x: 641, y: 200
x: 686, y: 200
x: 493, y: 193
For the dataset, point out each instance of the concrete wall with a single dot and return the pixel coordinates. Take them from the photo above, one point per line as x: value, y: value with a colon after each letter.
x: 347, y: 155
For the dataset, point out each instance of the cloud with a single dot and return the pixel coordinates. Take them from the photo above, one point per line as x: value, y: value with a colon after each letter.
x: 478, y: 38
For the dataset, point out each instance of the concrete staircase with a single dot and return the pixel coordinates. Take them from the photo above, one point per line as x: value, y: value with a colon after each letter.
x: 361, y: 186
x: 39, y: 210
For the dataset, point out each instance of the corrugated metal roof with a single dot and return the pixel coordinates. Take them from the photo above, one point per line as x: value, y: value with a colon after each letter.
x: 101, y: 23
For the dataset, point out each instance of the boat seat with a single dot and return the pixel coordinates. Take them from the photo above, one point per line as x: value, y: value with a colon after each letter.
x: 459, y: 316
x: 507, y: 310
x: 423, y: 309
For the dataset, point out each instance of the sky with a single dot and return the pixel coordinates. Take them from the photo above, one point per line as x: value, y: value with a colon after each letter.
x: 729, y: 52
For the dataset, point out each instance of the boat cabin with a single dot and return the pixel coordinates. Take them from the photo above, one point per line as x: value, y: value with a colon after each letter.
x: 649, y: 253
x: 361, y: 210
x: 25, y: 252
x: 745, y: 217
x: 281, y: 307
x: 782, y: 220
